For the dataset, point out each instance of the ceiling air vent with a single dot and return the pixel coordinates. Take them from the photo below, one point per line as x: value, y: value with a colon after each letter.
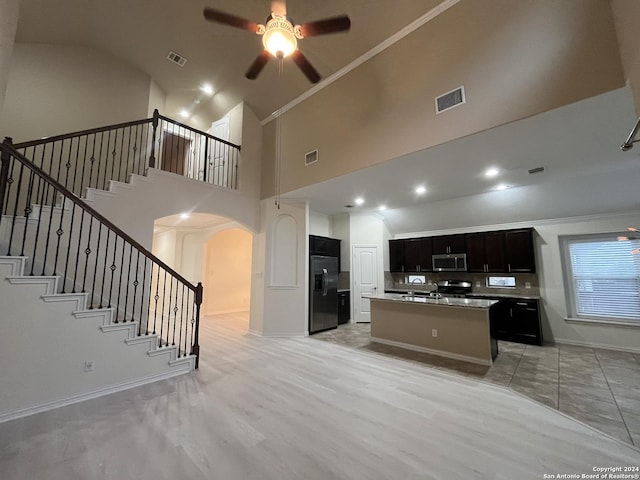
x: 450, y: 99
x: 311, y: 157
x: 177, y: 58
x: 536, y: 170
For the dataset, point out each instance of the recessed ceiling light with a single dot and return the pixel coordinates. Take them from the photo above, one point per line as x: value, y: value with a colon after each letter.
x: 491, y: 172
x: 184, y: 216
x: 184, y: 114
x: 206, y: 89
x: 421, y: 190
x: 502, y: 186
x: 382, y: 208
x: 359, y: 201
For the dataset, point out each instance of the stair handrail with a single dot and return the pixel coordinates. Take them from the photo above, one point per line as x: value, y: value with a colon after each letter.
x: 119, y: 150
x: 8, y: 150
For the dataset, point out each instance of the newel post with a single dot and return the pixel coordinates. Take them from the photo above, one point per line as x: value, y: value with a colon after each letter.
x: 195, y: 349
x: 154, y: 123
x: 5, y: 159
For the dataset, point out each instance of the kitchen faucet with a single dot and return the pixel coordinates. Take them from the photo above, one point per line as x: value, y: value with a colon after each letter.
x: 413, y: 282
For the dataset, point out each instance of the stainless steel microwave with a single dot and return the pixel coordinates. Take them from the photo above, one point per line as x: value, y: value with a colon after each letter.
x: 455, y: 262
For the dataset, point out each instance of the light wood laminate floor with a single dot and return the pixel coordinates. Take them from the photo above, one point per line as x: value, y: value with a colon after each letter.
x: 595, y: 386
x: 276, y: 408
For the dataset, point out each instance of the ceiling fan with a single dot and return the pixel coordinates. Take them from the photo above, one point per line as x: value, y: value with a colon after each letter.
x: 280, y: 36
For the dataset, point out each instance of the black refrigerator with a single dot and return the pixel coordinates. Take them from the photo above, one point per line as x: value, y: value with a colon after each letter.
x: 323, y: 293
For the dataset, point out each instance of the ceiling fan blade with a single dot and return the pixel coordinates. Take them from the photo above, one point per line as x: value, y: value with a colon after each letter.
x: 302, y: 62
x: 279, y: 7
x: 257, y: 65
x: 214, y: 15
x: 328, y: 25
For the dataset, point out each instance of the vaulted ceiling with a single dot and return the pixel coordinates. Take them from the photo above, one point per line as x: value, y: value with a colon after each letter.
x: 142, y: 32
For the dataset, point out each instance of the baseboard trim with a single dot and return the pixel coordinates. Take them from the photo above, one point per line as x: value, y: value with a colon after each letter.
x: 604, y: 346
x: 99, y: 392
x: 440, y: 353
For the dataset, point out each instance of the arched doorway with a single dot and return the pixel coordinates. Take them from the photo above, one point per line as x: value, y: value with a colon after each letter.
x: 215, y: 251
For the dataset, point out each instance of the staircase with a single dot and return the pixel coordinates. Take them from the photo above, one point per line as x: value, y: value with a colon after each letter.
x: 72, y: 275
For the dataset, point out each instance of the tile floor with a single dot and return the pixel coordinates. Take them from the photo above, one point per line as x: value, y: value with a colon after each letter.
x: 598, y: 387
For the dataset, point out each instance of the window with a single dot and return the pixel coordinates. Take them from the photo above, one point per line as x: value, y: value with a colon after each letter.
x: 603, y: 277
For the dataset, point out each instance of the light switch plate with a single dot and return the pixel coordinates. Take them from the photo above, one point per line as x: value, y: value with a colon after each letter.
x: 527, y: 284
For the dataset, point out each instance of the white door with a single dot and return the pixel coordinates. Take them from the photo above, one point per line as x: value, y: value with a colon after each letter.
x: 365, y: 281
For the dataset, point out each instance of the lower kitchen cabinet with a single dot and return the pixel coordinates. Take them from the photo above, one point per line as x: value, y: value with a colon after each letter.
x: 517, y: 320
x: 344, y: 307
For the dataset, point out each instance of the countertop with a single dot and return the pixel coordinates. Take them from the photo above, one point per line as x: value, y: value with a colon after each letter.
x: 451, y: 302
x: 470, y: 295
x: 505, y: 295
x: 343, y: 290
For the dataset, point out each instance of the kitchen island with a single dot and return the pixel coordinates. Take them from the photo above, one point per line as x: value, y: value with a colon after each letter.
x: 457, y: 328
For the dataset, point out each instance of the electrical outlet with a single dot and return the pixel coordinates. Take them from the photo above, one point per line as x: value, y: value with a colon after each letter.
x: 527, y: 284
x: 478, y: 285
x: 434, y: 332
x: 88, y: 366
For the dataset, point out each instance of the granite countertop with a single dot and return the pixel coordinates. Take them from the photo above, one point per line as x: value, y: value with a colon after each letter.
x: 505, y: 295
x: 469, y: 295
x: 342, y: 290
x: 451, y: 302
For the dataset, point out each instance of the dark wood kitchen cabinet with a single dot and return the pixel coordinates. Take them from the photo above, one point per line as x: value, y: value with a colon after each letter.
x: 344, y: 307
x: 517, y: 320
x: 396, y: 255
x: 329, y: 247
x: 410, y: 255
x: 448, y: 244
x: 486, y: 252
x: 520, y: 257
x: 417, y: 255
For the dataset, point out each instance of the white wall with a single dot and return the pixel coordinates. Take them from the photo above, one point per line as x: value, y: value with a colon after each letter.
x: 157, y: 99
x: 43, y: 359
x: 161, y: 194
x: 8, y: 24
x: 280, y: 308
x: 341, y: 228
x: 56, y: 89
x: 319, y: 224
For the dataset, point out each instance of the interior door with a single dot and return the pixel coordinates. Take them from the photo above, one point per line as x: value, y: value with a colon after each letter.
x: 175, y: 150
x: 365, y: 281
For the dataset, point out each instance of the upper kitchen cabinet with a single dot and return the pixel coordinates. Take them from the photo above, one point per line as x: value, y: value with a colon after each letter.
x: 396, y: 255
x: 410, y: 255
x: 519, y: 252
x: 448, y: 244
x: 486, y: 252
x: 417, y: 255
x: 326, y: 246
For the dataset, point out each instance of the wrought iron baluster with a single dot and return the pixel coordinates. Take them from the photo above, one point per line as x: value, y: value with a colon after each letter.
x: 75, y: 270
x: 66, y: 263
x: 15, y: 209
x: 75, y: 166
x: 87, y: 252
x: 184, y: 288
x: 27, y: 211
x: 142, y: 303
x: 43, y: 190
x: 120, y: 282
x: 104, y: 269
x: 164, y: 296
x: 81, y: 191
x: 113, y: 268
x: 157, y: 297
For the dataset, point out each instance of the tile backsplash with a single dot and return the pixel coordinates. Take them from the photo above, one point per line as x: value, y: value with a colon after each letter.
x: 478, y: 282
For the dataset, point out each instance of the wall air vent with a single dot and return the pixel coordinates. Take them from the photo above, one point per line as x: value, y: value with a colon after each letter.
x: 450, y: 99
x: 536, y: 170
x: 311, y: 157
x: 177, y: 58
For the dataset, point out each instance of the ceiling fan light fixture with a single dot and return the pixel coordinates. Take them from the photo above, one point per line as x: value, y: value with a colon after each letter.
x: 279, y: 37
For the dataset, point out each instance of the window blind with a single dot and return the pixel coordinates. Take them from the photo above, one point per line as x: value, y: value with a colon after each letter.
x: 605, y: 278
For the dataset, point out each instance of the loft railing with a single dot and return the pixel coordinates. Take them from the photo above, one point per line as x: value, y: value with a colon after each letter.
x: 92, y: 158
x: 61, y: 235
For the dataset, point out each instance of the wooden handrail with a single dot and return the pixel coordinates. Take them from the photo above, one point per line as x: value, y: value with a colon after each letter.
x: 8, y: 148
